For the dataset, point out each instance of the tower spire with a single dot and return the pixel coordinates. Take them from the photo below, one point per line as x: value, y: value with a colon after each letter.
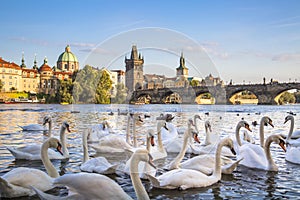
x: 35, y: 62
x: 23, y: 61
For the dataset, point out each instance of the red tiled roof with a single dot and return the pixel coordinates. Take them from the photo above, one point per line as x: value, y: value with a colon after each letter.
x: 45, y: 67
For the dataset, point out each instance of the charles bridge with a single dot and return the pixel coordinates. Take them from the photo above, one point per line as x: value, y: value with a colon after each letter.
x: 267, y: 94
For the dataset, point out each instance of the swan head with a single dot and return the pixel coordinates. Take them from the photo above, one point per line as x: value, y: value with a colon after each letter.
x: 208, y: 126
x: 46, y: 119
x: 195, y: 136
x: 167, y: 117
x: 287, y: 118
x: 267, y: 120
x: 278, y: 139
x: 105, y: 125
x: 197, y: 117
x: 229, y: 143
x: 66, y: 125
x: 54, y: 143
x: 245, y: 125
x: 150, y: 135
x: 143, y: 155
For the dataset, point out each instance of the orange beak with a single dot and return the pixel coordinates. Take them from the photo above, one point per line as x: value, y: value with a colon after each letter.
x: 281, y: 144
x: 196, y: 139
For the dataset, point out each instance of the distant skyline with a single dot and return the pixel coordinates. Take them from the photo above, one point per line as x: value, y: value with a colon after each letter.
x: 239, y: 40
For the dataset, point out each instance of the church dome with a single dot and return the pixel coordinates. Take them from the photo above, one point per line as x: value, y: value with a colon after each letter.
x: 67, y: 56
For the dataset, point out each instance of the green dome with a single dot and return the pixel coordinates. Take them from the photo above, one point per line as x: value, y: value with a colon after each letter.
x: 67, y: 56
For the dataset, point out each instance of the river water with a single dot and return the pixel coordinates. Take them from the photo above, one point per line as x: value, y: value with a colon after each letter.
x: 243, y: 183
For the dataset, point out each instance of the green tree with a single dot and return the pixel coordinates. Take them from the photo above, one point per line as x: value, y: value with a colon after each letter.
x: 286, y: 97
x: 85, y: 84
x: 121, y: 94
x: 64, y: 93
x: 194, y: 83
x: 102, y: 95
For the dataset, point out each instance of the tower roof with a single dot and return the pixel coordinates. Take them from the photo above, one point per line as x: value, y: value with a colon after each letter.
x: 182, y: 63
x: 67, y: 56
x: 134, y: 53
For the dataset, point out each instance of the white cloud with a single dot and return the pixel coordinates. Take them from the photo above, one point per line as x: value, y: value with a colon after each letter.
x: 284, y: 57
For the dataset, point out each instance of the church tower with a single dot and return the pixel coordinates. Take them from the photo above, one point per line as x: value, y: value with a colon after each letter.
x: 134, y: 74
x: 182, y: 70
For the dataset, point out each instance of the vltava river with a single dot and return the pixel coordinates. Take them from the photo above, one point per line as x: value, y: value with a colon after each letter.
x: 243, y: 183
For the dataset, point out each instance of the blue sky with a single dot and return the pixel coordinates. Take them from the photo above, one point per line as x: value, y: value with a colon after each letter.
x: 243, y: 40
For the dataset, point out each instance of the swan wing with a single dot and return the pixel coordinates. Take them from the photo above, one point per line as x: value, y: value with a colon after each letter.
x: 183, y: 179
x: 20, y: 179
x: 33, y: 127
x: 88, y: 184
x: 252, y: 159
x: 99, y: 165
x: 292, y: 155
x: 33, y: 152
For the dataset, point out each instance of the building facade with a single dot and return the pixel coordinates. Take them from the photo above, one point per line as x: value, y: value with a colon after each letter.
x: 43, y: 79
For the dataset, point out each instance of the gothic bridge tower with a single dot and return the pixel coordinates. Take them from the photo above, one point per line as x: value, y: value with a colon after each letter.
x: 134, y: 74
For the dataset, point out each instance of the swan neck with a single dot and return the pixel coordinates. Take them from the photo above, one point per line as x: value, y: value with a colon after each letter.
x: 207, y: 136
x: 85, y: 147
x: 128, y: 131
x: 261, y: 133
x: 291, y: 129
x: 52, y: 172
x: 268, y: 152
x: 134, y: 134
x: 183, y: 149
x: 136, y: 181
x: 63, y: 142
x: 237, y: 134
x: 50, y: 128
x: 159, y: 139
x: 196, y: 124
x: 217, y: 171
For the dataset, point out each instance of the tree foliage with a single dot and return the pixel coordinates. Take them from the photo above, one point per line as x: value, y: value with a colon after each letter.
x: 194, y: 83
x: 286, y: 97
x: 64, y: 93
x: 85, y: 85
x: 121, y: 94
x: 102, y: 95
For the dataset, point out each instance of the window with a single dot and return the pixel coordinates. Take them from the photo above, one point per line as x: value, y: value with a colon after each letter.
x: 10, y: 77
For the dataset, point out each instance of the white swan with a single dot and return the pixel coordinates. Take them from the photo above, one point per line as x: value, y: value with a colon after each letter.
x: 18, y: 182
x: 114, y: 143
x: 33, y: 152
x: 242, y: 148
x: 159, y: 151
x: 144, y: 168
x: 98, y: 131
x: 96, y: 186
x: 202, y: 163
x: 209, y: 147
x: 98, y: 165
x: 292, y: 143
x: 188, y: 178
x: 38, y: 127
x: 169, y: 134
x: 264, y: 162
x: 293, y: 136
x: 174, y: 145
